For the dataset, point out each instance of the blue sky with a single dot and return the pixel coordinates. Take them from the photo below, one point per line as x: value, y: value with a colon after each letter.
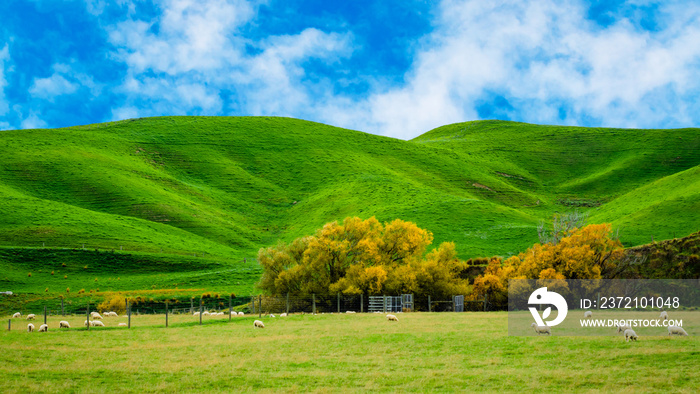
x: 395, y: 68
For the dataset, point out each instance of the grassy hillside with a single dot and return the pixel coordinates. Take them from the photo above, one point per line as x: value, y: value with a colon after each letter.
x: 219, y: 188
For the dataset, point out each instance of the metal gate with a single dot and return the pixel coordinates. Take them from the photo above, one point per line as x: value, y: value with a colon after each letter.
x: 407, y: 302
x: 458, y: 303
x: 384, y: 304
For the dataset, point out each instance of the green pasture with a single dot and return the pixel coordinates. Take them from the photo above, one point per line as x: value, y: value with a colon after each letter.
x: 449, y: 352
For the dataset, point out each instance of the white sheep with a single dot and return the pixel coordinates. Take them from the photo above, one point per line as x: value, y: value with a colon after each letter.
x: 587, y: 315
x: 92, y: 323
x: 392, y: 318
x: 663, y: 315
x: 675, y: 330
x: 350, y: 312
x: 97, y: 323
x: 43, y: 328
x: 258, y: 324
x: 63, y: 324
x: 541, y: 329
x: 195, y: 314
x: 220, y: 314
x: 630, y: 334
x: 121, y: 325
x: 30, y: 327
x: 206, y: 313
x: 241, y: 313
x: 622, y: 328
x: 271, y: 315
x: 31, y: 316
x: 283, y: 315
x: 95, y: 315
x: 17, y: 315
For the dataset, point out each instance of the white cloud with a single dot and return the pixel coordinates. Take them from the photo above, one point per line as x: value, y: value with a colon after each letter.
x: 63, y: 81
x: 33, y: 122
x: 543, y: 56
x: 180, y: 62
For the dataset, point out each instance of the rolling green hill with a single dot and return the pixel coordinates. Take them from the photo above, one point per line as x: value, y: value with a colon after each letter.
x: 219, y: 188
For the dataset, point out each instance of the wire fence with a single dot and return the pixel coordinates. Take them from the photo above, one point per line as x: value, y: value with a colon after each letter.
x: 140, y: 313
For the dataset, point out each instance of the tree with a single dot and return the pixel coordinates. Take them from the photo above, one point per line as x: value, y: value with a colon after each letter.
x: 363, y: 257
x: 590, y: 252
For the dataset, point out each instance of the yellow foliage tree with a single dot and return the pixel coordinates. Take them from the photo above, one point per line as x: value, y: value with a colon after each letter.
x: 362, y: 257
x: 586, y: 253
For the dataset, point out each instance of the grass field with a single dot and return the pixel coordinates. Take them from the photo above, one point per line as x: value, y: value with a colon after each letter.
x: 361, y: 352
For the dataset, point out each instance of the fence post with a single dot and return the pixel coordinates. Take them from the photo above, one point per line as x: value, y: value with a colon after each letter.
x: 166, y: 314
x: 362, y: 304
x: 191, y: 306
x: 384, y: 304
x: 126, y: 304
x: 87, y: 316
x: 63, y: 313
x: 201, y: 310
x: 230, y: 306
x: 9, y: 324
x: 314, y: 303
x: 338, y: 302
x: 260, y: 305
x: 429, y: 306
x: 44, y: 314
x: 128, y: 313
x: 287, y: 302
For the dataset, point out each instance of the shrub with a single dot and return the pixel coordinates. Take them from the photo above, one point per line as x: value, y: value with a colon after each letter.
x: 63, y: 264
x: 81, y: 291
x: 52, y: 272
x: 67, y: 289
x: 29, y: 275
x: 65, y: 276
x: 46, y: 290
x: 114, y: 303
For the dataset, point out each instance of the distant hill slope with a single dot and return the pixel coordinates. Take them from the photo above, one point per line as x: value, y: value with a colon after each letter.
x: 225, y: 186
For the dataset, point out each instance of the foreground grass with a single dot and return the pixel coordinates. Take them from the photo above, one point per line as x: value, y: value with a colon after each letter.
x: 424, y: 351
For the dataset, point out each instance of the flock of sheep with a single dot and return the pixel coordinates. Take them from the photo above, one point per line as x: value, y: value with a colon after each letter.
x: 260, y: 324
x: 96, y: 322
x: 629, y: 333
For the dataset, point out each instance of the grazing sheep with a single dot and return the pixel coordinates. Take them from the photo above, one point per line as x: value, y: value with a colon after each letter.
x: 241, y: 313
x: 587, y: 315
x: 220, y: 314
x: 92, y: 323
x: 622, y: 328
x: 17, y: 315
x: 350, y: 312
x: 206, y: 313
x: 271, y: 315
x: 95, y: 315
x: 63, y: 324
x: 258, y: 324
x: 97, y: 323
x: 110, y: 314
x: 663, y: 315
x: 31, y: 316
x: 283, y: 315
x: 121, y: 325
x: 30, y: 327
x: 675, y: 330
x: 43, y: 328
x: 392, y: 318
x: 630, y: 334
x: 195, y: 314
x: 541, y: 329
